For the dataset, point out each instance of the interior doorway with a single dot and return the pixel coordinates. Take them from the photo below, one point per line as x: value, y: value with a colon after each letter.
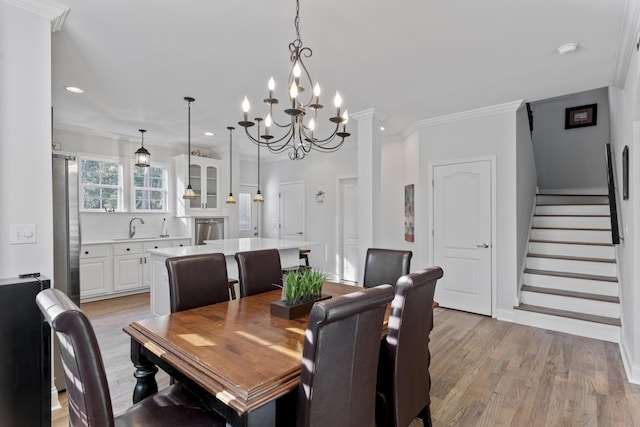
x: 348, y: 246
x: 291, y: 210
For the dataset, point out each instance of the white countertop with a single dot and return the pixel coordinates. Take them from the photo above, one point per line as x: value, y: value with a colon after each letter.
x: 231, y: 246
x: 134, y: 239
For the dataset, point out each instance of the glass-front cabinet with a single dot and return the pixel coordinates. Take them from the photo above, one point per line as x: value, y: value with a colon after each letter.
x: 204, y: 175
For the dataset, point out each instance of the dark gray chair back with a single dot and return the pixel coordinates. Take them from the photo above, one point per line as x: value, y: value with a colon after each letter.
x: 403, y: 375
x: 340, y: 358
x: 385, y: 266
x: 87, y: 389
x: 197, y: 280
x: 259, y: 271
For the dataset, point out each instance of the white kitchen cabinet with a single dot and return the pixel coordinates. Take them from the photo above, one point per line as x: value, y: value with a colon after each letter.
x: 181, y: 243
x: 128, y: 267
x: 95, y: 268
x: 204, y: 176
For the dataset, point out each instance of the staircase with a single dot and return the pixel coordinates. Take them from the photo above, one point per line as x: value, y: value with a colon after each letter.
x: 570, y: 280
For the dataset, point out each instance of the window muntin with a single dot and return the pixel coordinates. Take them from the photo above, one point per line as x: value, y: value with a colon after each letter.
x: 101, y: 185
x: 150, y: 188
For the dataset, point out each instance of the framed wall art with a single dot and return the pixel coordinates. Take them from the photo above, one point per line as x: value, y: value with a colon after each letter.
x: 408, y: 213
x: 581, y: 116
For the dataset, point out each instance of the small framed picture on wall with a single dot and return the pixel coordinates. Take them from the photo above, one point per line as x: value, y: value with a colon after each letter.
x: 581, y: 116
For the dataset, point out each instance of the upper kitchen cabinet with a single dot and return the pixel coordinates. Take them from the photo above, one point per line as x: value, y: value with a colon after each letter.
x: 204, y: 175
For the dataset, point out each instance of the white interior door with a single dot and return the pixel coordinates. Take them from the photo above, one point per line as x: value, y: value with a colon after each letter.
x: 462, y: 235
x: 247, y: 211
x: 348, y: 259
x: 291, y: 211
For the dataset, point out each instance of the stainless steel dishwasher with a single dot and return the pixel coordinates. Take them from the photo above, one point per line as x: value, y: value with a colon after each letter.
x: 209, y: 229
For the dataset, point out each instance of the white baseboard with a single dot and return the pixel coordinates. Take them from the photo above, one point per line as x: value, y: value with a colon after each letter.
x: 632, y: 371
x: 55, y: 402
x: 506, y: 315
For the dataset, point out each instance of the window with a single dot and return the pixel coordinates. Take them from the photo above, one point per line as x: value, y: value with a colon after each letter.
x: 150, y: 188
x: 101, y: 185
x: 244, y: 211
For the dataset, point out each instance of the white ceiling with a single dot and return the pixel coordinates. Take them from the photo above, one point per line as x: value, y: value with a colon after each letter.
x: 412, y: 60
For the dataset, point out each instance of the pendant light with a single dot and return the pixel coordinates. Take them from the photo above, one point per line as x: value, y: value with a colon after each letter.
x: 189, y: 194
x: 143, y: 157
x: 258, y: 197
x: 230, y: 198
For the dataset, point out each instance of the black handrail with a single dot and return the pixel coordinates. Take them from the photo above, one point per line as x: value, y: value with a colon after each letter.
x: 613, y: 209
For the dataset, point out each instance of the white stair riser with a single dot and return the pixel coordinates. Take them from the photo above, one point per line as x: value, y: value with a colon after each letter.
x: 570, y: 326
x: 577, y: 305
x: 586, y: 251
x: 596, y: 287
x: 585, y: 236
x: 572, y: 222
x: 542, y: 199
x: 573, y: 210
x: 570, y: 266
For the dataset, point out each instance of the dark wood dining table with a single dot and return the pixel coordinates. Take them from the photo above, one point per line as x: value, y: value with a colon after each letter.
x: 241, y: 360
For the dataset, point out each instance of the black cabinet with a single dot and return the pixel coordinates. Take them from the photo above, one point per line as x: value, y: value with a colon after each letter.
x: 25, y: 355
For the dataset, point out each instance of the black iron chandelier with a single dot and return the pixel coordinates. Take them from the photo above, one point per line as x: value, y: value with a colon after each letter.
x: 299, y: 137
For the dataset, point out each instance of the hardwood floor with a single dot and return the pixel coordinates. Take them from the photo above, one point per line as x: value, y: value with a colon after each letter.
x: 484, y: 372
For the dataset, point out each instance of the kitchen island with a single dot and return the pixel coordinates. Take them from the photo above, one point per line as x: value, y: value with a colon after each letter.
x: 289, y: 256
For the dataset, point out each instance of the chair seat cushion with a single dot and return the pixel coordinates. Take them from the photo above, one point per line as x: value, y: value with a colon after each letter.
x: 172, y: 406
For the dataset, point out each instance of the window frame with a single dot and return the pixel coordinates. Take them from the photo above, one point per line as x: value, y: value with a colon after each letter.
x: 166, y: 173
x: 119, y: 187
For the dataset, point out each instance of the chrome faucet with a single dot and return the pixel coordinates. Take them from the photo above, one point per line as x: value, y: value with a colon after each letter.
x: 132, y: 229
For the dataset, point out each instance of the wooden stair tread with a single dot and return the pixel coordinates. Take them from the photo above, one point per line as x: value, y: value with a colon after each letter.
x: 572, y: 204
x: 571, y: 216
x: 572, y: 195
x: 572, y: 258
x: 569, y: 314
x: 571, y: 275
x: 570, y: 228
x: 570, y: 243
x: 572, y: 294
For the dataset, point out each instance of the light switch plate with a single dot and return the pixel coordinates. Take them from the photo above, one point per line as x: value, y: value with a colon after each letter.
x: 22, y: 233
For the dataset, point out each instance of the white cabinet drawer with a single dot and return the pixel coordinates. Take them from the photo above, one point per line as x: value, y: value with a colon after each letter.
x: 182, y: 242
x: 94, y: 251
x: 128, y: 248
x: 157, y: 244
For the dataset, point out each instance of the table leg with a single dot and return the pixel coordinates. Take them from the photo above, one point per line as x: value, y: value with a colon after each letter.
x: 145, y: 373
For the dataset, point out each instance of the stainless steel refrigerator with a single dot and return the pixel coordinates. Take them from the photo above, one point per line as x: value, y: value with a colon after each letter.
x: 66, y: 240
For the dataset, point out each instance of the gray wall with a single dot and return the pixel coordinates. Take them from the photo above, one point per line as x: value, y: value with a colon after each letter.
x: 570, y: 158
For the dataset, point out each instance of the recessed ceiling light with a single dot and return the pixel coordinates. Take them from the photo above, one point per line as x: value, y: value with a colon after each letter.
x: 74, y: 89
x: 382, y: 128
x: 208, y: 133
x: 567, y: 48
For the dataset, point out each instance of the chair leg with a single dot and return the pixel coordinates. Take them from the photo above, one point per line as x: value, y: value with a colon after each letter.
x: 425, y: 416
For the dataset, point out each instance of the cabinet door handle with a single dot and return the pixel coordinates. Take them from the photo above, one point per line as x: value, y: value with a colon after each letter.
x: 145, y: 260
x: 484, y: 245
x: 86, y: 252
x: 140, y: 260
x: 155, y: 247
x: 128, y: 249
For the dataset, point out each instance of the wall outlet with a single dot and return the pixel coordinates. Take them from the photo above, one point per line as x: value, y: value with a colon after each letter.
x: 22, y: 233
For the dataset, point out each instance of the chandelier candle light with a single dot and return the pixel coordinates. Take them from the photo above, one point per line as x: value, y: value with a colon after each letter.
x: 143, y: 157
x: 189, y: 194
x: 230, y: 198
x: 299, y: 136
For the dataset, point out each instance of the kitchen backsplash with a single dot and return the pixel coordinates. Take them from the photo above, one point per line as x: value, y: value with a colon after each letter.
x: 105, y: 226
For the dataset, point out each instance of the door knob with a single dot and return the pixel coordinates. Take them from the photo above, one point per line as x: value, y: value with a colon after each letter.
x: 300, y: 233
x: 484, y: 245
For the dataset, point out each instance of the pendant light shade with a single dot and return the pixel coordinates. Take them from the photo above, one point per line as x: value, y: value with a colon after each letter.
x: 189, y: 194
x: 143, y: 157
x: 258, y: 197
x: 230, y: 199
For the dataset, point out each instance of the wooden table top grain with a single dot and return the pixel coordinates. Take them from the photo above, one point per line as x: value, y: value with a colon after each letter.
x: 236, y: 350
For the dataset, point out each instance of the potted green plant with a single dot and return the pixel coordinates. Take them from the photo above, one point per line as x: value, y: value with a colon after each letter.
x: 302, y: 288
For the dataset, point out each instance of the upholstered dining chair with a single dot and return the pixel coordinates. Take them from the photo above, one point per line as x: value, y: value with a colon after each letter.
x: 340, y: 358
x: 385, y: 266
x: 259, y: 271
x: 404, y: 383
x: 87, y: 389
x: 197, y: 280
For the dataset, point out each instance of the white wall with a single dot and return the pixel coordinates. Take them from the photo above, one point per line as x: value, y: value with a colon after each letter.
x: 480, y: 133
x: 526, y: 180
x: 25, y: 138
x: 570, y: 158
x: 317, y: 171
x: 625, y: 130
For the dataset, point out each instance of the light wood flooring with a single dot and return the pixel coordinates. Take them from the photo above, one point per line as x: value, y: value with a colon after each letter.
x: 484, y: 372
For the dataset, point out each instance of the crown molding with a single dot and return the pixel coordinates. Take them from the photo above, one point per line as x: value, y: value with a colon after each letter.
x: 626, y: 43
x: 493, y: 110
x: 370, y: 113
x: 55, y: 12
